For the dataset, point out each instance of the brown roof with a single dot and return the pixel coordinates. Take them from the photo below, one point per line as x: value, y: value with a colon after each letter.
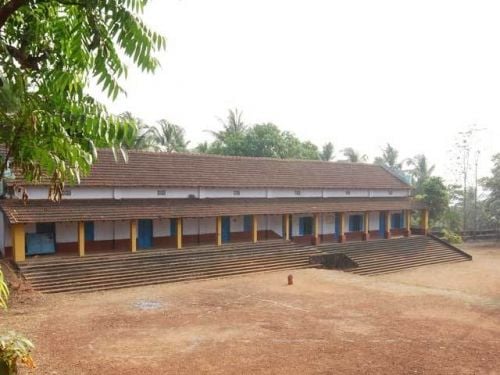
x: 157, y: 169
x: 108, y: 209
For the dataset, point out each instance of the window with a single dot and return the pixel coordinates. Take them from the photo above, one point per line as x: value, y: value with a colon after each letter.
x: 173, y: 227
x: 305, y: 226
x: 89, y: 231
x: 161, y: 192
x: 66, y: 192
x: 390, y: 192
x: 347, y: 192
x: 297, y: 192
x: 397, y: 221
x: 247, y: 223
x: 236, y: 192
x: 355, y: 223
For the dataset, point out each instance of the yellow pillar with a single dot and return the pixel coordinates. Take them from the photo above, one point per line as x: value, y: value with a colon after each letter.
x: 133, y: 236
x: 316, y: 239
x: 286, y: 221
x: 387, y: 233
x: 81, y: 238
x: 178, y: 223
x: 255, y: 228
x: 218, y: 230
x: 341, y: 234
x: 18, y: 243
x: 425, y: 220
x: 366, y: 226
x: 407, y: 223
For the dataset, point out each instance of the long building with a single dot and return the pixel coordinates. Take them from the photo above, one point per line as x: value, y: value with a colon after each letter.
x: 175, y: 200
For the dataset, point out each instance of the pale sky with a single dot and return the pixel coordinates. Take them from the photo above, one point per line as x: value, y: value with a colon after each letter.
x: 359, y: 73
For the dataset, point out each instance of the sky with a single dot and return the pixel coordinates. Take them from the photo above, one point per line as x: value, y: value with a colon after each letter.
x: 358, y: 73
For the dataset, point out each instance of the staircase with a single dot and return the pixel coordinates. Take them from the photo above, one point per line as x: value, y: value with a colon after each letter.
x: 147, y: 267
x: 52, y: 274
x: 381, y: 256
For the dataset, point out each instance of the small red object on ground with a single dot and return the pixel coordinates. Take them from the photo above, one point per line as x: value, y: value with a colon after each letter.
x: 290, y: 279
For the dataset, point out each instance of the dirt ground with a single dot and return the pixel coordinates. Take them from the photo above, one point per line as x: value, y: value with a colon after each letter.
x: 440, y: 319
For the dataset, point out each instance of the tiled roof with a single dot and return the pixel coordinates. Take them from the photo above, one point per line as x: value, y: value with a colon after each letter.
x: 35, y: 211
x: 155, y: 169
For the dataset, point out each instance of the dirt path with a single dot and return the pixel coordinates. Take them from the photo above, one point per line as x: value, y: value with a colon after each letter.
x: 434, y: 320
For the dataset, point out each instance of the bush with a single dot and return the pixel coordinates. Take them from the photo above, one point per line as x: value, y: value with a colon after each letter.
x: 14, y: 348
x: 451, y: 237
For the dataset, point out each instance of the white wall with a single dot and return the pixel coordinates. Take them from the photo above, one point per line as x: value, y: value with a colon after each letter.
x: 80, y: 192
x: 66, y: 232
x: 229, y: 193
x: 327, y: 224
x: 161, y: 227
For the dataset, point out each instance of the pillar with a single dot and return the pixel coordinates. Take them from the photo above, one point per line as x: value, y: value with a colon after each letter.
x: 178, y: 223
x: 424, y: 221
x: 387, y: 231
x: 218, y: 230
x: 286, y: 224
x: 407, y: 231
x: 255, y: 228
x: 81, y: 238
x: 341, y: 234
x: 366, y: 226
x: 316, y: 239
x: 133, y: 236
x: 18, y: 243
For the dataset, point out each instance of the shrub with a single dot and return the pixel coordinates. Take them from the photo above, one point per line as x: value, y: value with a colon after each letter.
x: 14, y: 349
x: 451, y: 236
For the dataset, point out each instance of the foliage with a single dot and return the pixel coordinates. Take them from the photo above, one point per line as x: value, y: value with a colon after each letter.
x: 435, y: 196
x: 451, y: 237
x: 142, y: 139
x: 354, y: 156
x: 51, y: 50
x: 233, y: 126
x: 15, y: 348
x: 420, y: 171
x: 492, y: 184
x: 4, y: 291
x: 261, y: 140
x: 327, y: 152
x: 168, y: 137
x: 389, y: 157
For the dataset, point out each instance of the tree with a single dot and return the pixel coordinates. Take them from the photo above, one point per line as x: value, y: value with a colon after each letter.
x: 389, y: 157
x: 492, y: 185
x: 233, y: 125
x: 435, y: 196
x: 143, y: 139
x: 354, y: 156
x: 327, y: 152
x: 51, y: 50
x: 420, y: 171
x: 169, y: 137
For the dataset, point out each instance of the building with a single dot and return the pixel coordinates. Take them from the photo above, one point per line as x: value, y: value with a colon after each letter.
x: 174, y: 200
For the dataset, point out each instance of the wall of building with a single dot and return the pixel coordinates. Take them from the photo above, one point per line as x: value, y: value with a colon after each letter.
x: 80, y: 192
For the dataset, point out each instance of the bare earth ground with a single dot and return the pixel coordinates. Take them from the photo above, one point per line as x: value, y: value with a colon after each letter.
x: 441, y: 319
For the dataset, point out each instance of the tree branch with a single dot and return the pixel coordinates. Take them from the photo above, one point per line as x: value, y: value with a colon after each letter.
x: 9, y: 8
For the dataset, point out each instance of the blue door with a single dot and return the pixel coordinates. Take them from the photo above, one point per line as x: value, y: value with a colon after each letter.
x: 381, y: 224
x: 43, y: 241
x: 226, y: 228
x: 337, y: 226
x: 145, y: 229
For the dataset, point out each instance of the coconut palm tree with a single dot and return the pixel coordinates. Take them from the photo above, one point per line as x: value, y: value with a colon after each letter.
x: 389, y: 157
x: 168, y: 137
x: 354, y: 156
x: 420, y: 170
x: 143, y: 139
x: 231, y: 126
